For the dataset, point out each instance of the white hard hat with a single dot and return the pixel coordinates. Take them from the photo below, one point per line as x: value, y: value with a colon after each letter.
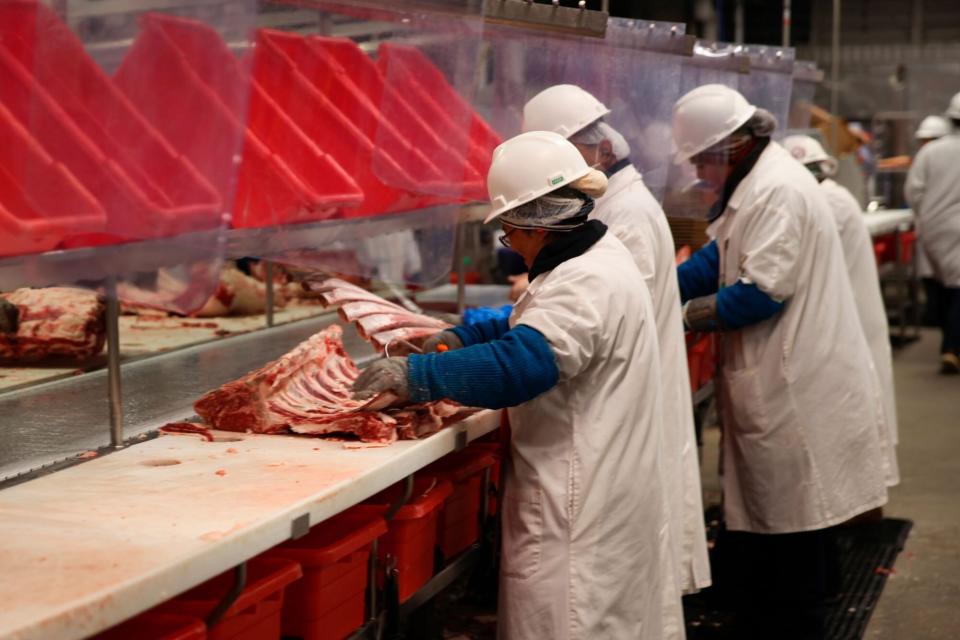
x: 705, y: 116
x: 530, y: 165
x: 933, y: 127
x: 953, y: 111
x: 805, y: 149
x: 563, y: 109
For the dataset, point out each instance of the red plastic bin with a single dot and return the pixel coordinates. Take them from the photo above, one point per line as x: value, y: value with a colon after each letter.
x: 156, y: 626
x: 40, y: 201
x: 497, y: 451
x: 329, y: 602
x: 256, y: 614
x: 412, y: 533
x: 161, y: 193
x: 700, y: 360
x: 376, y: 172
x: 332, y: 80
x: 427, y: 90
x: 459, y: 524
x: 318, y: 188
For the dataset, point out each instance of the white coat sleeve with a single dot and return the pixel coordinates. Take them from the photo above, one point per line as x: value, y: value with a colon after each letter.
x: 771, y: 245
x: 916, y: 183
x: 569, y: 321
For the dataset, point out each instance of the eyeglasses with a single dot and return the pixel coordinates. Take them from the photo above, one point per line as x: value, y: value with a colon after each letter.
x: 505, y: 238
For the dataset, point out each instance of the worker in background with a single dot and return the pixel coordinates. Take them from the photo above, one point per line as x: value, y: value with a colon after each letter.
x: 932, y: 128
x: 586, y: 537
x: 798, y: 399
x: 861, y: 261
x: 634, y: 216
x: 933, y: 191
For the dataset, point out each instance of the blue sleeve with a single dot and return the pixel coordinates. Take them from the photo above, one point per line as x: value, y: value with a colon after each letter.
x: 742, y: 304
x: 700, y: 275
x: 483, y: 331
x: 501, y: 373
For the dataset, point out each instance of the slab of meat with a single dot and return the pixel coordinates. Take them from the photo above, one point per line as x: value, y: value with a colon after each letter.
x: 309, y: 391
x: 238, y: 294
x: 56, y: 321
x: 386, y: 325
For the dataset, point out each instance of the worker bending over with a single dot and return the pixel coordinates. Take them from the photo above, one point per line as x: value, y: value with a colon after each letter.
x: 587, y: 551
x: 798, y: 407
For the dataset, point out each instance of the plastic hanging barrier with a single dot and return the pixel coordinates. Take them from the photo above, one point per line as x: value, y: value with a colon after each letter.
x: 691, y: 192
x: 634, y: 72
x: 806, y: 77
x: 770, y: 81
x: 104, y: 175
x: 372, y: 109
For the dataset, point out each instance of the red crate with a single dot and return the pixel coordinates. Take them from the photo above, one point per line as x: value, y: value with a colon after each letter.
x: 317, y: 187
x: 382, y: 179
x: 256, y: 614
x: 412, y: 533
x: 329, y: 602
x: 159, y: 193
x: 40, y: 201
x: 701, y: 359
x: 157, y: 626
x: 356, y: 67
x: 459, y: 524
x: 428, y: 92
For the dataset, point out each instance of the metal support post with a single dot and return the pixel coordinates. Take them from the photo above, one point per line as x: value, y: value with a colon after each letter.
x: 239, y: 582
x: 268, y: 276
x: 835, y: 76
x: 113, y: 364
x: 786, y: 23
x: 458, y: 256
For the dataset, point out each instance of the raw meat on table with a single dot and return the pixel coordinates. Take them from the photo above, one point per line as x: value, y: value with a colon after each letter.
x: 55, y: 321
x: 309, y: 391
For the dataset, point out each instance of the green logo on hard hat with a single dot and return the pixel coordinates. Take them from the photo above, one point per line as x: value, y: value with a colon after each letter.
x: 556, y: 180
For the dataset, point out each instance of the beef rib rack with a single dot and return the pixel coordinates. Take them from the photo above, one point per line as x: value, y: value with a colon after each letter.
x: 308, y: 391
x: 383, y: 323
x: 52, y: 322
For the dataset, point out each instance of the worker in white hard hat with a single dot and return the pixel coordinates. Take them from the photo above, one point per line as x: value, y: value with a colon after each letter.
x: 635, y: 217
x: 861, y: 264
x: 799, y: 402
x: 586, y: 536
x: 930, y: 129
x: 933, y: 191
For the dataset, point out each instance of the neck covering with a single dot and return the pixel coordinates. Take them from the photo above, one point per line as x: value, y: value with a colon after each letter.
x: 741, y: 171
x: 566, y: 246
x: 617, y: 166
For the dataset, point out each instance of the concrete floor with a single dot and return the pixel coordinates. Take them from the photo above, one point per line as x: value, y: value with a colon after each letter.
x: 921, y: 600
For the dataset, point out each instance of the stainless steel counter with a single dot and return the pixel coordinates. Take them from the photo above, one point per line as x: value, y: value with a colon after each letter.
x: 56, y: 421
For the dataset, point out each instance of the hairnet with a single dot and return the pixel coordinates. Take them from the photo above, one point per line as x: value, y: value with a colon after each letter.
x: 761, y: 124
x: 598, y: 132
x: 561, y: 210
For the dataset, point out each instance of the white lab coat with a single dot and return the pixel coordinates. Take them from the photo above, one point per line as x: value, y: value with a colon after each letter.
x: 933, y: 190
x: 635, y: 217
x: 798, y: 397
x: 862, y: 268
x: 586, y: 536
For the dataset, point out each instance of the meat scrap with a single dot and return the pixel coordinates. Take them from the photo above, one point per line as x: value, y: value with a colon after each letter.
x: 308, y: 391
x: 55, y: 321
x: 187, y: 428
x: 384, y: 324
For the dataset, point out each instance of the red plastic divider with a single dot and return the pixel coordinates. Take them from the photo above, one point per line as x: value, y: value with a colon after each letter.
x: 316, y: 187
x: 381, y: 178
x: 412, y: 533
x: 330, y: 600
x: 157, y: 626
x: 701, y: 359
x: 428, y: 92
x: 159, y: 193
x: 40, y: 201
x: 256, y: 613
x: 459, y: 524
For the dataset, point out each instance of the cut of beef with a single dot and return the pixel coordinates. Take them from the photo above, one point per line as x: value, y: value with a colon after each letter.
x: 51, y: 322
x: 309, y: 391
x: 386, y: 325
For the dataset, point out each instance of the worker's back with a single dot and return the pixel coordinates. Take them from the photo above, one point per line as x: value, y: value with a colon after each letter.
x: 933, y: 190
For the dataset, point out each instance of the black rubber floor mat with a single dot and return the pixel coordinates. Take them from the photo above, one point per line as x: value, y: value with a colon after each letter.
x: 868, y: 553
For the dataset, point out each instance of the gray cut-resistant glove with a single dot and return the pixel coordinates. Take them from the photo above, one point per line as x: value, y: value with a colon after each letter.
x: 388, y: 374
x: 700, y: 314
x: 9, y: 316
x: 446, y: 337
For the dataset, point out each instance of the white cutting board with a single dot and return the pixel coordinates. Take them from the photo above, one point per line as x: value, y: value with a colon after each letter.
x: 90, y: 546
